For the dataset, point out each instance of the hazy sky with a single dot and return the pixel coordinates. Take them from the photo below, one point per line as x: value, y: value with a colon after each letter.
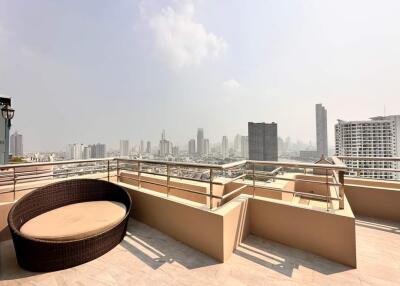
x: 99, y: 71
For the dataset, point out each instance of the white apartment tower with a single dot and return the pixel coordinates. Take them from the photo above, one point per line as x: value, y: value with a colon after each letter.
x: 377, y: 137
x: 74, y: 151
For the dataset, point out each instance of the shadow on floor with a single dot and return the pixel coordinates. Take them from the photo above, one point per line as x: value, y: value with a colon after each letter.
x: 9, y: 268
x: 378, y: 224
x: 155, y: 249
x: 284, y: 259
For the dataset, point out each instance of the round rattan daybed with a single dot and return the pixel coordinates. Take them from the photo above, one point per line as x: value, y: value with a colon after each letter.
x: 46, y: 253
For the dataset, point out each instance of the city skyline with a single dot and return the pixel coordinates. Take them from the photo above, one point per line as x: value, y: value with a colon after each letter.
x: 292, y: 58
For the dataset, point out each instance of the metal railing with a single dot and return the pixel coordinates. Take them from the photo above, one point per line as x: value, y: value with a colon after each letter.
x: 173, y: 170
x: 364, y: 170
x: 13, y: 174
x: 251, y: 174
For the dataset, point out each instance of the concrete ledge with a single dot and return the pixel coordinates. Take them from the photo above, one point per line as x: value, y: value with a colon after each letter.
x: 329, y: 235
x: 374, y: 201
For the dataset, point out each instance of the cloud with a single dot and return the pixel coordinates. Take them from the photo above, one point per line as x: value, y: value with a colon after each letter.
x: 180, y: 40
x: 231, y: 84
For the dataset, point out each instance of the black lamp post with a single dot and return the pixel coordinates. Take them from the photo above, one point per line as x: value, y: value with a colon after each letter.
x: 7, y: 113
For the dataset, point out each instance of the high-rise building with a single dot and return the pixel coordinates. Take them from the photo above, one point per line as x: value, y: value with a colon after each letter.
x: 200, y: 141
x: 87, y: 152
x: 175, y: 151
x: 263, y: 141
x: 124, y: 148
x: 74, y: 151
x: 165, y: 146
x: 98, y: 150
x: 206, y: 146
x: 141, y: 148
x: 225, y: 147
x: 148, y: 147
x: 321, y: 130
x: 16, y: 145
x: 237, y: 144
x: 192, y: 147
x: 378, y: 137
x: 244, y: 147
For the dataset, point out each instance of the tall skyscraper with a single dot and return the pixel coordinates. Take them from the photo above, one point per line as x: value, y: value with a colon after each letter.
x: 192, y: 147
x: 321, y: 129
x: 148, y: 147
x: 165, y: 146
x: 263, y: 141
x: 141, y: 148
x: 124, y: 148
x: 378, y: 137
x: 206, y: 147
x: 237, y: 144
x: 225, y: 147
x: 200, y: 141
x: 16, y: 144
x: 244, y: 147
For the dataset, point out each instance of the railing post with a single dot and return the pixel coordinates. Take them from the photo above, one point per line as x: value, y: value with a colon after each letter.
x: 117, y: 171
x: 15, y: 181
x: 108, y: 170
x: 168, y: 179
x: 254, y: 180
x: 327, y: 189
x: 138, y: 175
x: 211, y: 188
x: 341, y: 189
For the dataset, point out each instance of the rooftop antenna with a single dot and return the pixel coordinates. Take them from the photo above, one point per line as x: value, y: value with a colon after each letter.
x: 384, y: 110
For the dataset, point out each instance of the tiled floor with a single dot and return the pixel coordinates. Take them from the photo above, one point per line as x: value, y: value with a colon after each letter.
x: 148, y: 257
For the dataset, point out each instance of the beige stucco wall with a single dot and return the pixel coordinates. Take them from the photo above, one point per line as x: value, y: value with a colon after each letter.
x: 315, y: 188
x: 374, y: 198
x: 329, y: 235
x: 131, y: 178
x: 200, y: 229
x: 236, y: 224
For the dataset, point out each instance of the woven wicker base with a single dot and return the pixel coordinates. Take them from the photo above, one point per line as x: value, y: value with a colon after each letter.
x: 42, y: 255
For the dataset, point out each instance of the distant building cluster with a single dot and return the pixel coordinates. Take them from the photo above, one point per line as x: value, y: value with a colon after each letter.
x: 79, y: 151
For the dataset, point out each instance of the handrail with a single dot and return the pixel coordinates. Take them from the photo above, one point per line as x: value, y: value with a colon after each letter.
x: 297, y: 165
x: 183, y: 164
x: 11, y: 166
x: 173, y: 163
x: 356, y: 158
x: 17, y: 175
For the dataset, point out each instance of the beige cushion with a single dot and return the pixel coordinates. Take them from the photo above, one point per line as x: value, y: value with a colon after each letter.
x: 75, y: 221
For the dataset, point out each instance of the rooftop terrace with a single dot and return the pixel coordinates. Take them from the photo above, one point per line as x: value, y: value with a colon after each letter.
x: 245, y: 223
x: 148, y: 257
